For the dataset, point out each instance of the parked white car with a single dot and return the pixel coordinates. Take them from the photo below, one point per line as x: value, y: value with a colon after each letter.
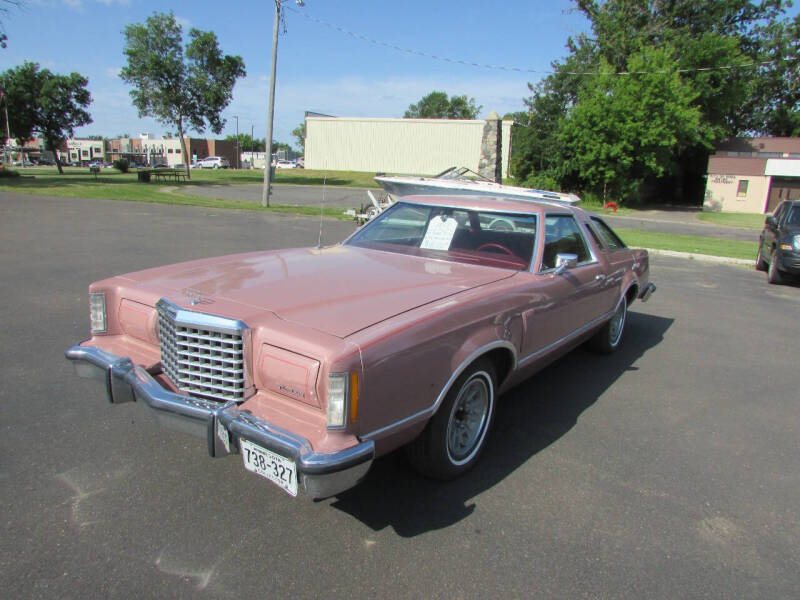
x: 285, y: 164
x: 214, y: 162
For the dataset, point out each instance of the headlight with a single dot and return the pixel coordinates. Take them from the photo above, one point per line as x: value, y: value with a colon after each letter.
x: 796, y: 242
x: 342, y: 394
x: 97, y: 312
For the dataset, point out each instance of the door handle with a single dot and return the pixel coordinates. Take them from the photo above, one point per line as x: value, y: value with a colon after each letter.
x: 599, y: 277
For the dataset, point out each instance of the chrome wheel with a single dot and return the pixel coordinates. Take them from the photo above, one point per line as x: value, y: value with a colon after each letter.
x: 617, y: 324
x: 453, y: 439
x: 468, y: 417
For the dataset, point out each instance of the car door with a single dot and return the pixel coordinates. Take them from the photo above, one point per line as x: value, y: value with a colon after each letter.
x: 769, y: 236
x: 561, y: 306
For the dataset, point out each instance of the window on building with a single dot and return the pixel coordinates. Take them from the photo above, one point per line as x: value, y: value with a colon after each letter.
x: 98, y: 150
x: 177, y: 150
x: 169, y: 150
x: 742, y: 189
x: 84, y: 153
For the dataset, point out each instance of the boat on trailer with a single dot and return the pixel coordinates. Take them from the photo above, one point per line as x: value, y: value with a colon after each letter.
x: 463, y: 181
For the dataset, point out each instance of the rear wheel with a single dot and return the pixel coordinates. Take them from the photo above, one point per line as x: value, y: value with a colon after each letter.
x: 608, y: 338
x: 455, y: 436
x: 774, y: 274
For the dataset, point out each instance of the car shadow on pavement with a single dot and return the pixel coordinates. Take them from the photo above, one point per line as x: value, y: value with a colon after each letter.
x: 529, y: 418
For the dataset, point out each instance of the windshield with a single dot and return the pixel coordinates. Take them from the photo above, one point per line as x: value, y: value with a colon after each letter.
x: 455, y: 234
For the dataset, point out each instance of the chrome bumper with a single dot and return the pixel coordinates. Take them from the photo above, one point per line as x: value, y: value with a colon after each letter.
x: 648, y: 290
x: 223, y: 425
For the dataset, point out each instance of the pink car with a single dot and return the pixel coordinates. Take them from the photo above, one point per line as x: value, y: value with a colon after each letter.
x: 310, y: 363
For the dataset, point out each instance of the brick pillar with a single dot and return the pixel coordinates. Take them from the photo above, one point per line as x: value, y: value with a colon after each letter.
x: 491, y: 162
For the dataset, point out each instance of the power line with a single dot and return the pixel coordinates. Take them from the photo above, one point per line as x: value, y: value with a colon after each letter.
x: 468, y: 63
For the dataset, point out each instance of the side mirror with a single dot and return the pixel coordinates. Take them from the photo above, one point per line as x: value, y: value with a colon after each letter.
x: 771, y: 221
x: 564, y: 262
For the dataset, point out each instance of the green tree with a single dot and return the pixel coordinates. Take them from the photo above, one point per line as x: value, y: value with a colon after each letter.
x: 299, y: 134
x: 707, y: 42
x: 774, y: 107
x: 185, y: 88
x: 437, y: 105
x: 625, y: 130
x: 46, y: 104
x: 247, y: 143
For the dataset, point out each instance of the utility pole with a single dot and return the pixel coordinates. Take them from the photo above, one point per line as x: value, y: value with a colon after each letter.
x: 271, y: 107
x: 238, y: 151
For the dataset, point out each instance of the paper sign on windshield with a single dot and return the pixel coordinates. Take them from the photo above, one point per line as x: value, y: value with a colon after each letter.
x: 440, y: 233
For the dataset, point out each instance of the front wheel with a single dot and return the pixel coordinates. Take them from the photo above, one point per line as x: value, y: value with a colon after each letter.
x: 455, y: 436
x: 608, y: 338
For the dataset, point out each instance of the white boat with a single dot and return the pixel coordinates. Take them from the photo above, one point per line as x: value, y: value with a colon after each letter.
x: 463, y: 181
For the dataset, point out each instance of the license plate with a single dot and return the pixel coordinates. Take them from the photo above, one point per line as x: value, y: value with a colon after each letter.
x: 279, y: 470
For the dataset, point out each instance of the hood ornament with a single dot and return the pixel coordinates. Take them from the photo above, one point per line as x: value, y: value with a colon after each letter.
x: 195, y: 297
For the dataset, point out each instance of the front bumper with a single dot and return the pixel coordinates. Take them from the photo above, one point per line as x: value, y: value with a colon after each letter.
x: 222, y: 425
x: 789, y: 261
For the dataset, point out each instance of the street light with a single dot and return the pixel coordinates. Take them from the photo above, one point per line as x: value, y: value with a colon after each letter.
x: 271, y: 108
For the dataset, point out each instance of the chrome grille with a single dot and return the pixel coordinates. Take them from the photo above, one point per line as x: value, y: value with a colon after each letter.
x: 203, y: 355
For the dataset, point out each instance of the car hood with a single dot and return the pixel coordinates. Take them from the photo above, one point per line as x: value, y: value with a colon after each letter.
x: 339, y: 290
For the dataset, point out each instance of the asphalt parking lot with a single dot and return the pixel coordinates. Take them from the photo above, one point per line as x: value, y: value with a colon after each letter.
x: 668, y: 470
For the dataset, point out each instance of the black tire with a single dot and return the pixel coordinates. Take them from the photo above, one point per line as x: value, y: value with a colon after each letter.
x: 454, y: 438
x: 608, y: 339
x: 774, y: 274
x: 761, y: 264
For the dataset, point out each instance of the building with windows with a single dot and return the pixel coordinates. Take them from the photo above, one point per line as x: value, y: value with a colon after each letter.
x: 413, y: 146
x: 753, y: 175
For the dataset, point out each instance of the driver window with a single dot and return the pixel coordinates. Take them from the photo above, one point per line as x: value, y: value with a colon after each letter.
x: 562, y: 236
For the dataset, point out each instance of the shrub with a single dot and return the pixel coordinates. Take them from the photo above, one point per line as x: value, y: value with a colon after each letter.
x: 122, y: 165
x: 8, y: 173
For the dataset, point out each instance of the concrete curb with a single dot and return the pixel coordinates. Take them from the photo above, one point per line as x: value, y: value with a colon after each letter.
x: 743, y: 262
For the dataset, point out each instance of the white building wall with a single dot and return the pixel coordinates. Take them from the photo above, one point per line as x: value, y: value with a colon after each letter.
x: 411, y: 146
x: 722, y: 193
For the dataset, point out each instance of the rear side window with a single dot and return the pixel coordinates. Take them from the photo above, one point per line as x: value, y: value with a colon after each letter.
x: 612, y: 239
x: 562, y: 236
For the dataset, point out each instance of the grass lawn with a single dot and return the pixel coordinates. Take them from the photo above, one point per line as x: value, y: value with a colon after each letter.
x: 688, y: 243
x: 48, y: 175
x: 113, y: 185
x: 743, y: 220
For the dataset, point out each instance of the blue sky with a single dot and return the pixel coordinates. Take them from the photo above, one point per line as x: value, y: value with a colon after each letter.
x: 319, y: 68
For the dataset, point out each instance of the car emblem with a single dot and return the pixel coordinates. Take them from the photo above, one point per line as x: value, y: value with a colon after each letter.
x: 194, y: 297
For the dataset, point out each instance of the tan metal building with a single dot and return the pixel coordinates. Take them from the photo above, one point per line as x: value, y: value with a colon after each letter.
x: 411, y: 146
x: 753, y: 175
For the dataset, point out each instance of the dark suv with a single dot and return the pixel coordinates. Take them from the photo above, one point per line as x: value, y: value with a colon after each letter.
x: 779, y: 243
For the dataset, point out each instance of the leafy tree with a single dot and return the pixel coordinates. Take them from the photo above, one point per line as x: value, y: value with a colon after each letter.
x: 705, y: 42
x: 280, y: 146
x: 624, y: 130
x: 247, y: 143
x: 437, y: 105
x: 299, y: 134
x: 44, y: 103
x: 774, y: 106
x: 185, y: 88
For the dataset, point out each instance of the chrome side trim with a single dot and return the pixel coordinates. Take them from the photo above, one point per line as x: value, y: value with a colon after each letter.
x: 573, y: 334
x: 428, y: 412
x: 223, y: 425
